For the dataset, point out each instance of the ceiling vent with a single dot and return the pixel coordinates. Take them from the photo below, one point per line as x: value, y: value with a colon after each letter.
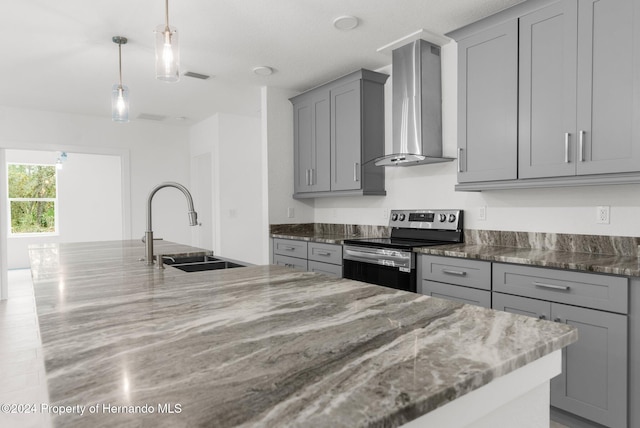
x: 155, y: 117
x: 196, y: 75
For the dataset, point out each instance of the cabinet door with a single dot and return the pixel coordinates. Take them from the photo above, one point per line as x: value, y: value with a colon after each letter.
x: 547, y: 120
x: 609, y: 86
x: 311, y: 143
x: 488, y: 104
x: 593, y: 383
x: 346, y: 137
x: 521, y: 305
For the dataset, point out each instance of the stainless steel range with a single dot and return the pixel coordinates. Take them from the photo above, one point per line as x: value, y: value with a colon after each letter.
x: 391, y: 261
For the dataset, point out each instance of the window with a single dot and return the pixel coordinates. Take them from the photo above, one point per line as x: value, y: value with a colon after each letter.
x: 32, y: 198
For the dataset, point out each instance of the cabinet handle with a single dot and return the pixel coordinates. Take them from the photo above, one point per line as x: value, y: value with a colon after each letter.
x: 581, y: 149
x: 552, y: 286
x: 288, y: 248
x: 542, y: 317
x: 312, y: 174
x: 355, y: 171
x: 307, y: 176
x: 459, y: 159
x: 323, y: 254
x: 454, y: 272
x: 566, y: 147
x: 557, y: 319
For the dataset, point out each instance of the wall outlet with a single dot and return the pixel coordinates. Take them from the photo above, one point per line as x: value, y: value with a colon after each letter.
x: 482, y: 213
x: 602, y: 215
x: 385, y: 214
x: 291, y: 212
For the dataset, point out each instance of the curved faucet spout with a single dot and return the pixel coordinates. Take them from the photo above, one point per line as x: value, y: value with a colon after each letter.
x: 193, y: 216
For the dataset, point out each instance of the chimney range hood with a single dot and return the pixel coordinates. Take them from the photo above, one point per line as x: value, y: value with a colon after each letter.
x: 417, y: 106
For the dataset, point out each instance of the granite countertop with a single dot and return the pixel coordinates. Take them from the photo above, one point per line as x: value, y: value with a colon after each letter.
x: 258, y: 346
x: 580, y: 261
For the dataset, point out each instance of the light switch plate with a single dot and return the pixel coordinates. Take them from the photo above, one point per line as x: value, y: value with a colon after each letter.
x: 291, y: 212
x: 482, y: 213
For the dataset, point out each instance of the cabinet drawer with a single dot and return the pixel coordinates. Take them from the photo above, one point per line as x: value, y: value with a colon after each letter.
x: 326, y: 253
x: 326, y: 268
x: 469, y: 273
x: 471, y: 296
x: 288, y: 247
x: 291, y: 262
x: 604, y: 292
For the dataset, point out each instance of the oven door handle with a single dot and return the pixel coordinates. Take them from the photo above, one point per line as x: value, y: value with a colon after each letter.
x: 374, y: 256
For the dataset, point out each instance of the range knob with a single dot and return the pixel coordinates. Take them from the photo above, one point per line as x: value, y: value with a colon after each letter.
x: 402, y: 217
x: 394, y: 216
x: 452, y: 218
x: 442, y: 217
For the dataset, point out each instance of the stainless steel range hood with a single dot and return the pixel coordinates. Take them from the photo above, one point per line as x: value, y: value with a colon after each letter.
x: 417, y: 106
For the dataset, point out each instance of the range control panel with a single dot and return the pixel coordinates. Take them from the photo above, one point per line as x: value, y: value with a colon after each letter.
x: 426, y: 219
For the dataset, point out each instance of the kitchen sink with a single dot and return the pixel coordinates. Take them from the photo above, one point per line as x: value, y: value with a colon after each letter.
x: 199, y: 263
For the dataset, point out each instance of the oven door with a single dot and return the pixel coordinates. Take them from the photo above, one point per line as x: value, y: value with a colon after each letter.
x: 390, y: 268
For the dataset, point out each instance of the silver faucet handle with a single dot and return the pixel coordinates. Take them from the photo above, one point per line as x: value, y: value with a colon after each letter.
x: 144, y: 239
x: 159, y: 262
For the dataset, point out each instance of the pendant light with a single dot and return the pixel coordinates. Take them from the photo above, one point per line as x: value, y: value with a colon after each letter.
x: 119, y: 92
x: 167, y: 50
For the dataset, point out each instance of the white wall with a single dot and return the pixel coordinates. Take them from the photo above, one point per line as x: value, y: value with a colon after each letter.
x: 564, y: 210
x: 154, y: 153
x: 238, y: 174
x: 89, y: 201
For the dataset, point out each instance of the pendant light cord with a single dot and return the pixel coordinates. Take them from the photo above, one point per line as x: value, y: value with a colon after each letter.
x: 120, y: 63
x: 166, y: 3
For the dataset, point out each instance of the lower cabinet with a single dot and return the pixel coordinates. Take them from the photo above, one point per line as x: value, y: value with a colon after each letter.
x: 462, y: 280
x: 593, y: 383
x: 311, y: 256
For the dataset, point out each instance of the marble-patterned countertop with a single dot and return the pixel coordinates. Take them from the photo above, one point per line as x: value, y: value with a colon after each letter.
x: 323, y: 238
x: 587, y: 262
x: 258, y: 346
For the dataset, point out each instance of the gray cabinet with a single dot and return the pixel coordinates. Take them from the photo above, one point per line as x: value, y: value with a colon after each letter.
x: 488, y: 104
x: 578, y: 95
x: 577, y: 90
x: 593, y: 383
x: 338, y: 131
x: 466, y: 281
x: 311, y: 123
x: 311, y: 256
x: 547, y: 78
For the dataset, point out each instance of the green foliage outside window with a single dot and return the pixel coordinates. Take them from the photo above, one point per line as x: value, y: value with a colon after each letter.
x: 32, y: 194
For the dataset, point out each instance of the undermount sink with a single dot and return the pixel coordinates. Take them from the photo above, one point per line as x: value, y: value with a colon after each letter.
x: 198, y: 263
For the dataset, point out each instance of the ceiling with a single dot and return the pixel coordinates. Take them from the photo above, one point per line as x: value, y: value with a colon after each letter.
x: 58, y: 55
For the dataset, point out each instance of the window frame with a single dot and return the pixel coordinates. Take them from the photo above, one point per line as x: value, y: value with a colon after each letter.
x: 56, y: 231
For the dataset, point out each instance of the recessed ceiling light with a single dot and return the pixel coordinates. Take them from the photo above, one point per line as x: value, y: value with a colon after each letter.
x: 346, y: 22
x: 263, y: 70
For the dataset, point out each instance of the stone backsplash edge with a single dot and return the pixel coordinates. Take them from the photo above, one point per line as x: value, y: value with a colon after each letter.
x: 575, y: 243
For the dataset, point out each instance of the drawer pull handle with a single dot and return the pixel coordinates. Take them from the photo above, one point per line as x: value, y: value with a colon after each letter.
x: 557, y: 320
x: 454, y: 272
x: 542, y: 317
x: 552, y: 286
x: 324, y: 253
x: 288, y: 248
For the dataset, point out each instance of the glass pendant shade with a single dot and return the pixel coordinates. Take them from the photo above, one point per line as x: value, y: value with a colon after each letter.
x: 167, y: 53
x: 120, y: 103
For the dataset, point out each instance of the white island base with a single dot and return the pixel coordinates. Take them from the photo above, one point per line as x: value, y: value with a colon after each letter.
x: 517, y: 399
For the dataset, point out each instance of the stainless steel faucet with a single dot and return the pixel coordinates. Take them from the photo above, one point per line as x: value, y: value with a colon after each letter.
x: 148, y: 235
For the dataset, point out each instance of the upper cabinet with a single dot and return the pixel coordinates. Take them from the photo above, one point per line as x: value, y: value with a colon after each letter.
x: 338, y: 131
x: 488, y: 104
x: 578, y: 96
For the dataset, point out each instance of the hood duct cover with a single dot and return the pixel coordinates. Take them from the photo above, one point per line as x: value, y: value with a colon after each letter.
x: 417, y: 106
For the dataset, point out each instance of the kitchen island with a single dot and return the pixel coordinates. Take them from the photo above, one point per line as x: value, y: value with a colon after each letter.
x: 269, y: 346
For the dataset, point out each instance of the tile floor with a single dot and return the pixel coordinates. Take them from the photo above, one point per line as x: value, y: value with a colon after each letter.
x: 21, y: 361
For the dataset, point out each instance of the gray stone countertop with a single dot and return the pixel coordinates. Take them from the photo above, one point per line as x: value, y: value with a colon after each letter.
x: 258, y: 346
x: 323, y: 238
x: 587, y: 262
